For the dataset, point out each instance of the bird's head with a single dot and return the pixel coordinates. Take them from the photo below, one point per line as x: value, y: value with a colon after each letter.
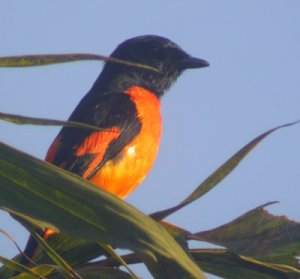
x: 167, y: 59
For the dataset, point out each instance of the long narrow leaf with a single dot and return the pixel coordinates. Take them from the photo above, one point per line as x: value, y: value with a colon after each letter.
x: 65, y: 267
x: 221, y: 262
x: 47, y: 59
x: 25, y: 120
x: 232, y: 266
x: 51, y: 197
x: 118, y: 258
x: 78, y: 251
x: 18, y: 267
x: 217, y: 176
x: 75, y: 251
x: 102, y: 273
x: 44, y: 271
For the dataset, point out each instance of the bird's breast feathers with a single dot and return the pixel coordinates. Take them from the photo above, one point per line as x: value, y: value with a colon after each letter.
x: 123, y: 175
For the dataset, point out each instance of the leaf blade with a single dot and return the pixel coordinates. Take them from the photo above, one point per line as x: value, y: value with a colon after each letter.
x: 217, y: 176
x: 33, y: 189
x: 48, y: 59
x: 258, y: 234
x: 232, y: 266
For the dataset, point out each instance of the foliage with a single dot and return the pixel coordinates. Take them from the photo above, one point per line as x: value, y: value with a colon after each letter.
x: 40, y: 195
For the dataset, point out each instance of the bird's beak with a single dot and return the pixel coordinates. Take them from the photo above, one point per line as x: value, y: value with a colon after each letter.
x: 193, y: 63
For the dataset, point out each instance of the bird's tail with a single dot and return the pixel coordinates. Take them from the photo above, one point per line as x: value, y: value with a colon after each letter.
x: 32, y: 247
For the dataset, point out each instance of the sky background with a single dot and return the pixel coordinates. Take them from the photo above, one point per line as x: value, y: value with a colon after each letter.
x: 251, y: 86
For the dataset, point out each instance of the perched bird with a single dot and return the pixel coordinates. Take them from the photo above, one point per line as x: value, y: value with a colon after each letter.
x: 124, y: 102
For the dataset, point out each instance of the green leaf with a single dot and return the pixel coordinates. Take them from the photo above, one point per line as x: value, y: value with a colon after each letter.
x: 179, y: 234
x: 118, y: 258
x: 258, y: 234
x: 51, y: 197
x: 47, y: 59
x: 75, y: 251
x: 217, y: 176
x: 44, y: 271
x: 102, y: 273
x: 222, y: 263
x: 16, y: 267
x: 25, y: 120
x: 66, y: 269
x: 231, y: 266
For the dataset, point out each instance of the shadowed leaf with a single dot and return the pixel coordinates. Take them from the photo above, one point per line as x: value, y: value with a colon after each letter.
x: 16, y: 267
x: 66, y: 269
x: 86, y: 273
x: 179, y: 234
x: 231, y: 266
x: 51, y: 197
x: 222, y: 263
x: 258, y: 234
x: 78, y: 251
x: 44, y: 271
x: 75, y: 251
x: 118, y: 258
x: 102, y: 273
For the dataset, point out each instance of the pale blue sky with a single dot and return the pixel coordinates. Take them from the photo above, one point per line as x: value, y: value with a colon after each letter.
x: 251, y: 86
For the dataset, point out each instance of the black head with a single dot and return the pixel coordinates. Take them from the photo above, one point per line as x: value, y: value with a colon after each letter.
x: 158, y: 52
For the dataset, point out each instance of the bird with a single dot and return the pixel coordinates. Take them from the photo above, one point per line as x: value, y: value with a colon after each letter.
x: 124, y: 102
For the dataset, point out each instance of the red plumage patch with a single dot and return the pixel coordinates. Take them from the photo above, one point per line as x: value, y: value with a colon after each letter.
x: 52, y: 151
x: 97, y: 143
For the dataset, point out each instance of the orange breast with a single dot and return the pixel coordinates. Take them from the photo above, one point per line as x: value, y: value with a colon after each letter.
x: 122, y: 176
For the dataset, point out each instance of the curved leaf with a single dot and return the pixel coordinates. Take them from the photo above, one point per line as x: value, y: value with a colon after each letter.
x: 258, y: 234
x: 217, y: 176
x: 222, y: 263
x: 102, y: 273
x: 118, y: 258
x: 65, y: 267
x: 16, y: 267
x: 231, y: 266
x: 51, y: 197
x: 75, y: 251
x: 44, y: 271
